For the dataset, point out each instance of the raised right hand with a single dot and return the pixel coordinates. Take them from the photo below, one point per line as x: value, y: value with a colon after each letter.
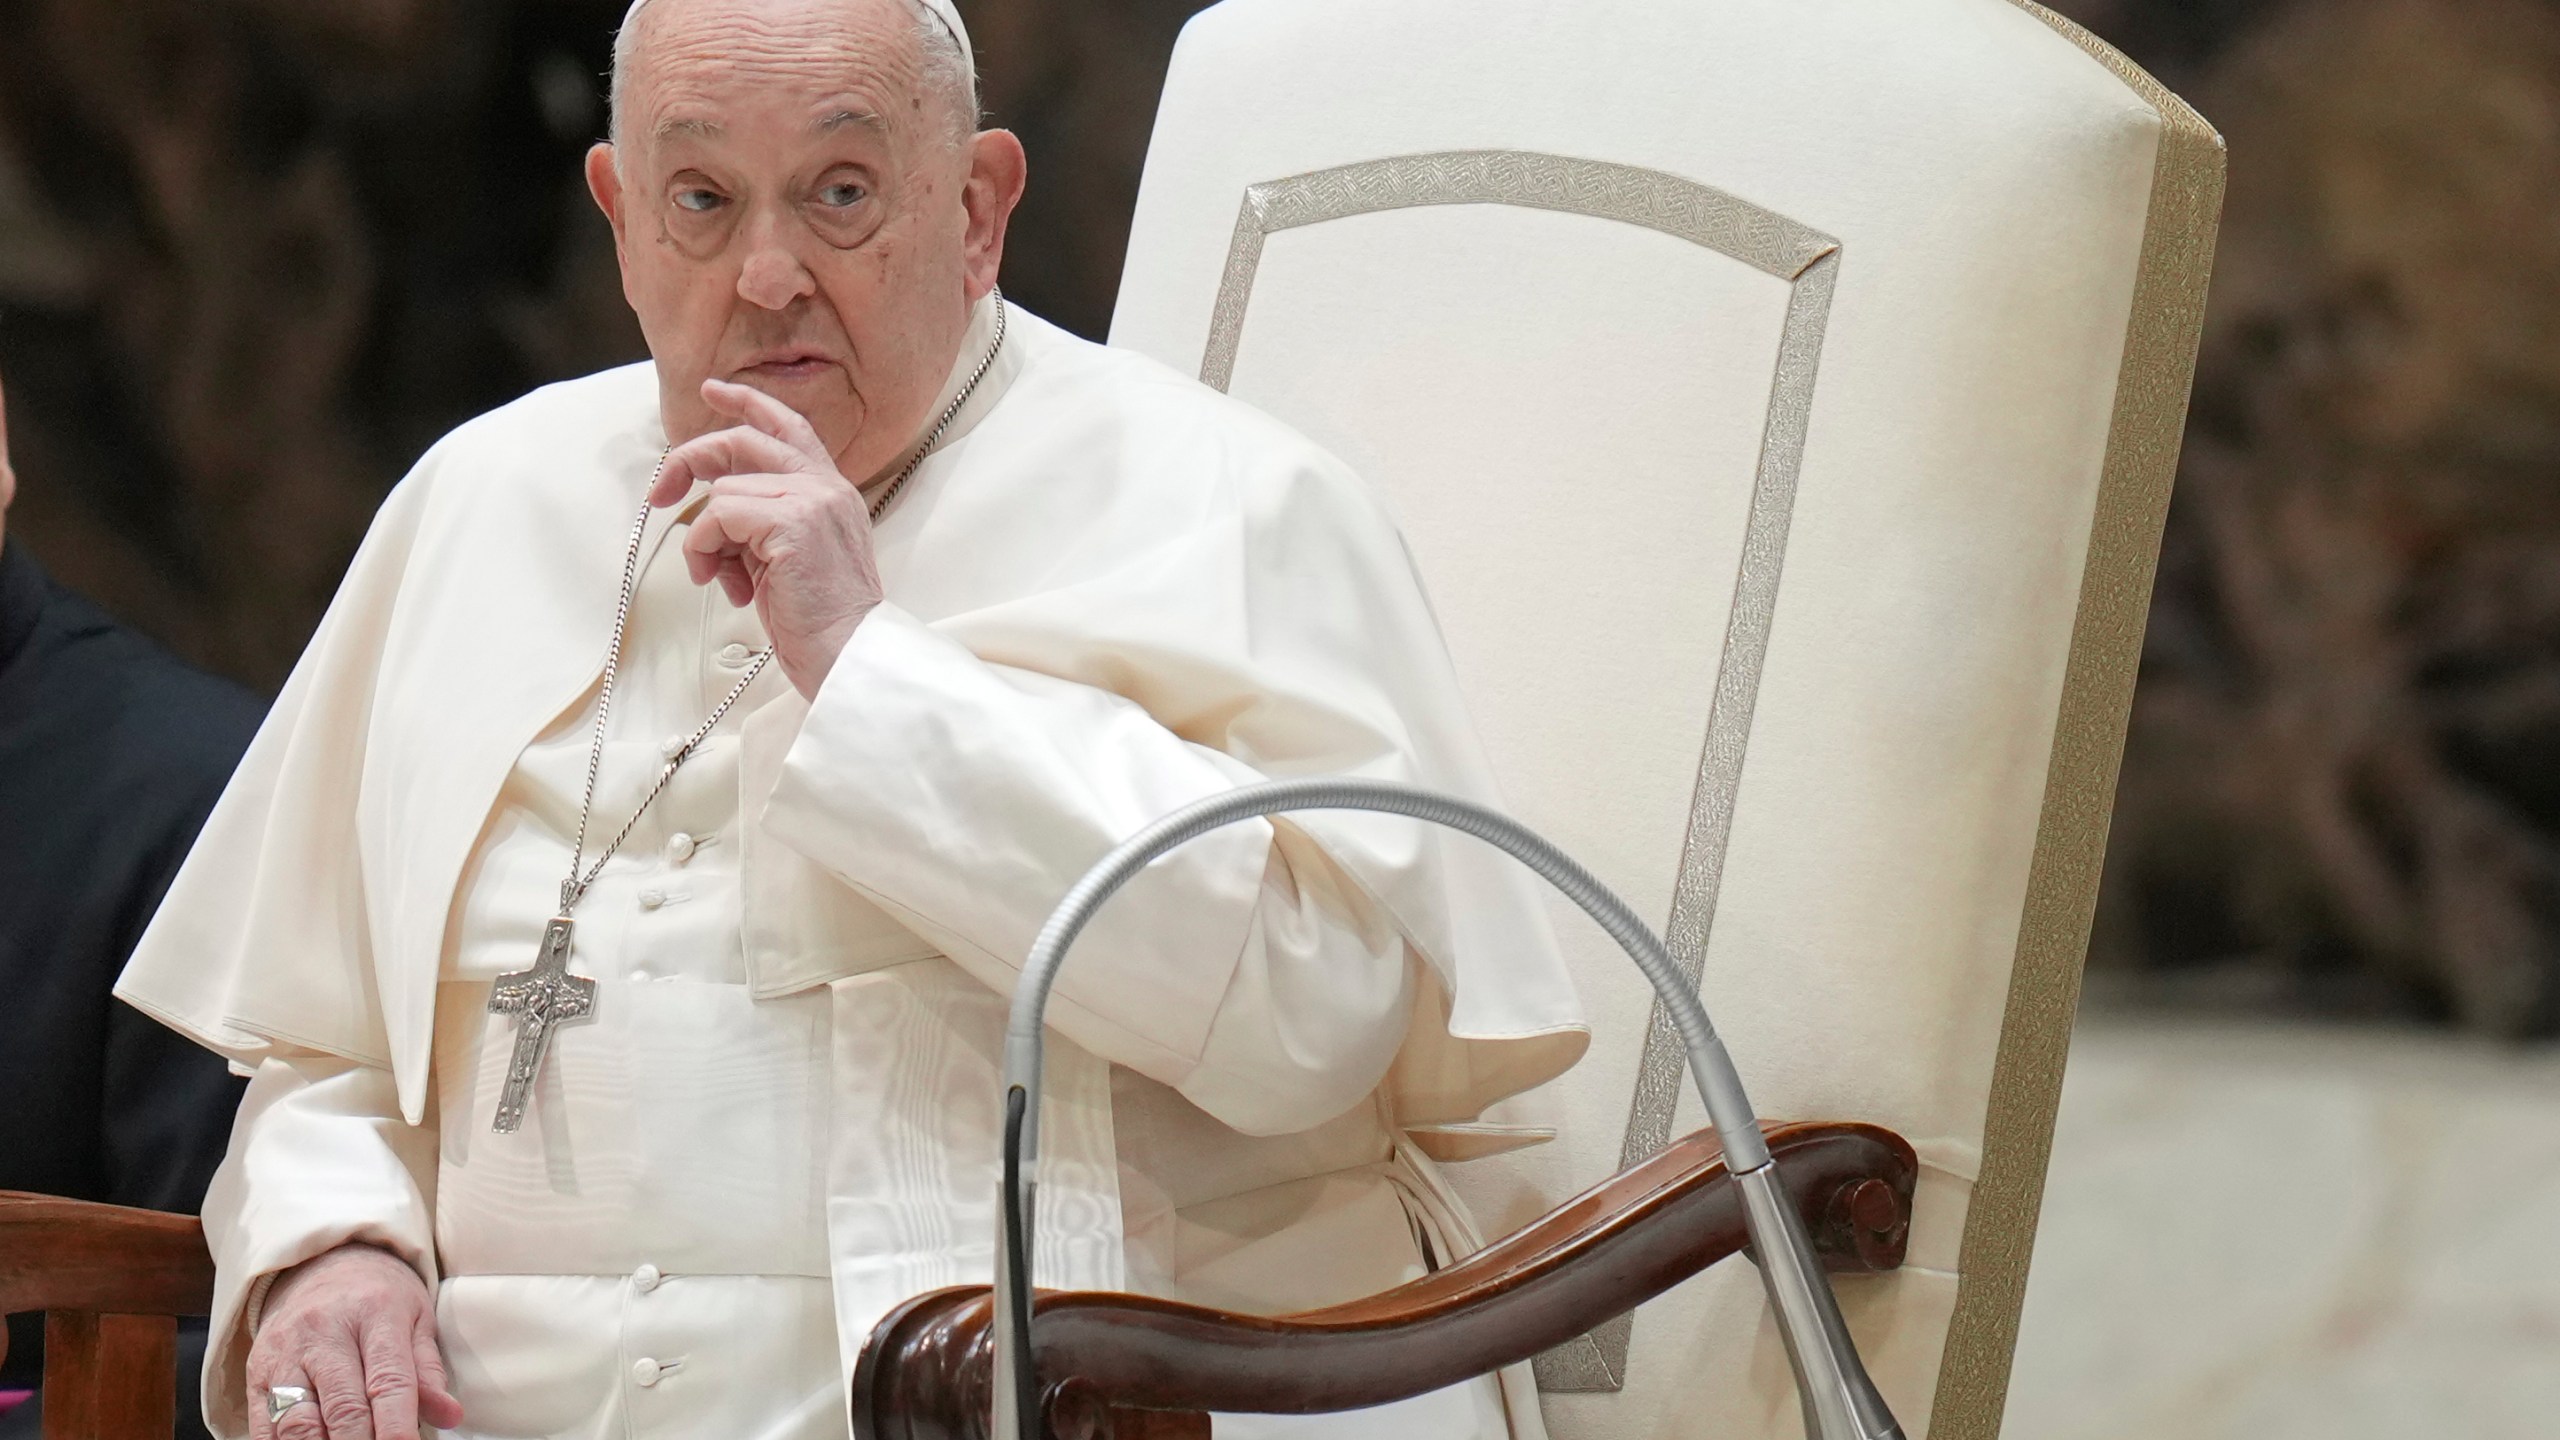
x: 357, y: 1328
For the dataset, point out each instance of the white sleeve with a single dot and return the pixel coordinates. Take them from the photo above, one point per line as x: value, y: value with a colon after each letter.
x: 319, y: 1158
x: 1317, y: 1005
x: 965, y: 797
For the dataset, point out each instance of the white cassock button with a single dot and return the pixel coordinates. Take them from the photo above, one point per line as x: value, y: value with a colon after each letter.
x: 645, y: 1372
x: 679, y: 848
x: 652, y: 899
x: 673, y: 745
x: 735, y: 656
x: 645, y: 1279
x: 638, y: 975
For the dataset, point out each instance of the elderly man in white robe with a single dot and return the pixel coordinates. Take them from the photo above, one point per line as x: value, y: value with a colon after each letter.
x: 617, y: 914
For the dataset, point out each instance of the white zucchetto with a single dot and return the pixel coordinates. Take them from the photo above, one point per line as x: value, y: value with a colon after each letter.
x: 943, y: 10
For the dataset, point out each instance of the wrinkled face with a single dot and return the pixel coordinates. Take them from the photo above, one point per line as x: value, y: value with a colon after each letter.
x: 793, y: 205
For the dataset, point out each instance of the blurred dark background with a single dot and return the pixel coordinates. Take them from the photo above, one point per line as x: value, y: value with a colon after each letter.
x: 256, y: 254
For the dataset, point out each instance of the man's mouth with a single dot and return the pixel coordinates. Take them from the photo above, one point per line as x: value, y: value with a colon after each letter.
x: 785, y: 365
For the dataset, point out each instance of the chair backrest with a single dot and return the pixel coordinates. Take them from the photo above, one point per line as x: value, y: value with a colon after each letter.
x: 1780, y: 399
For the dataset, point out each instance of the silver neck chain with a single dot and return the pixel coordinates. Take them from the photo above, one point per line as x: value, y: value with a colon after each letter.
x: 573, y: 889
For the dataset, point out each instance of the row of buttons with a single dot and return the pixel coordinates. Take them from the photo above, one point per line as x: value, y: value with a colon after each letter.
x: 647, y: 1370
x: 681, y: 848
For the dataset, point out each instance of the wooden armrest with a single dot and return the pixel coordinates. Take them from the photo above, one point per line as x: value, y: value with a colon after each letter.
x: 105, y: 1259
x: 1133, y: 1367
x: 112, y: 1282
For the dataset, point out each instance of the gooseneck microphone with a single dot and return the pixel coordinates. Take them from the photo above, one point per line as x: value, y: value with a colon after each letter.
x: 1840, y: 1401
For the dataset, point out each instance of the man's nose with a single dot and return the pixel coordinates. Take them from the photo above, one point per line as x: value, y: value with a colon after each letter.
x: 773, y: 276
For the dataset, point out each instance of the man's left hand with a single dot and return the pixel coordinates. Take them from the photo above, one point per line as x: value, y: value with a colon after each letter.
x: 783, y: 530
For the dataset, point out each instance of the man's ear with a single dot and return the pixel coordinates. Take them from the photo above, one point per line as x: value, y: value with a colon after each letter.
x: 604, y: 181
x: 997, y: 171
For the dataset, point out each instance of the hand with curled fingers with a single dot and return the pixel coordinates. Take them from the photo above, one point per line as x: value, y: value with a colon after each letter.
x: 355, y: 1330
x: 782, y: 528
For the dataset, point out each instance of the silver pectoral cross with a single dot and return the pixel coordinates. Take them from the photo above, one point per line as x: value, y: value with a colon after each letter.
x: 540, y: 998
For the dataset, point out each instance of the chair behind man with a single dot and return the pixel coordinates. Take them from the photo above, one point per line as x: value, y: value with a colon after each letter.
x: 1795, y: 386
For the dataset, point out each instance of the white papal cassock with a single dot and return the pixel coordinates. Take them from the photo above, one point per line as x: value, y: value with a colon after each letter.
x: 1111, y: 591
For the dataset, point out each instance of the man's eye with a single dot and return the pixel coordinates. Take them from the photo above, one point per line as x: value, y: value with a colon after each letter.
x: 841, y: 196
x: 698, y: 201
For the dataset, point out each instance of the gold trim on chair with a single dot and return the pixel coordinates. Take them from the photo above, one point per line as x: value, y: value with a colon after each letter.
x: 1808, y: 261
x: 2088, y: 745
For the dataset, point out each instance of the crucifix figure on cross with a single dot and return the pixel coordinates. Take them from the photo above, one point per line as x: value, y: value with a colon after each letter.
x: 540, y: 998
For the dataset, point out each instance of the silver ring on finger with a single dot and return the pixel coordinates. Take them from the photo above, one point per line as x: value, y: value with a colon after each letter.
x: 281, y: 1398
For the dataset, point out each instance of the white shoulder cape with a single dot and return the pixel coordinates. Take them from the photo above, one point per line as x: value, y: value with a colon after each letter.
x: 1107, y: 522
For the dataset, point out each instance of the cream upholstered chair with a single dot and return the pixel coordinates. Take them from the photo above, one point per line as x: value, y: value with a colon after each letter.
x: 1780, y: 399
